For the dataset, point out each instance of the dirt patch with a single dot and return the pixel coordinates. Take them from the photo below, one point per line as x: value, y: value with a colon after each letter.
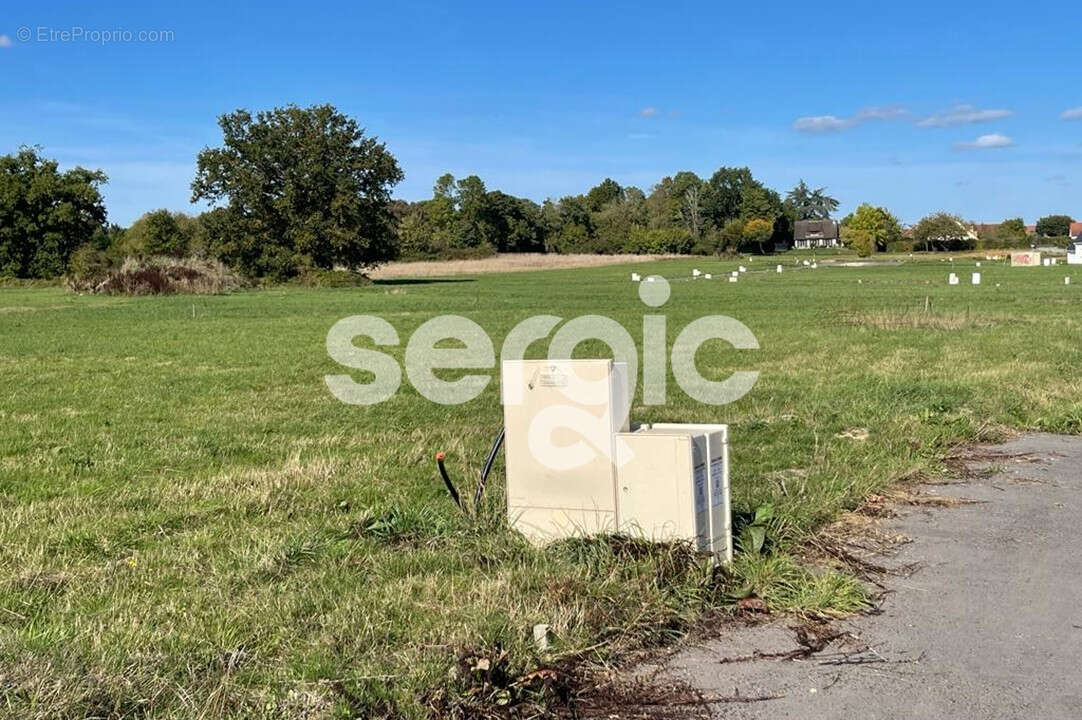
x: 509, y: 262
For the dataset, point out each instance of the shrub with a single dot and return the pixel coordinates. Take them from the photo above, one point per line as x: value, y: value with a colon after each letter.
x: 900, y: 246
x: 160, y: 276
x: 659, y: 241
x: 317, y: 278
x: 88, y: 266
x: 574, y: 238
x: 707, y: 244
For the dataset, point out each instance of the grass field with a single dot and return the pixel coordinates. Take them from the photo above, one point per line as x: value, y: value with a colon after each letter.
x: 191, y: 526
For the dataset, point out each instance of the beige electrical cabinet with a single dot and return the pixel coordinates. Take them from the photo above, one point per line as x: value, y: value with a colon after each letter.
x: 673, y: 484
x: 659, y: 496
x: 574, y: 468
x: 710, y: 473
x: 561, y: 418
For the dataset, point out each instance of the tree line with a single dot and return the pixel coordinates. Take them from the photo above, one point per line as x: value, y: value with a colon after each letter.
x: 296, y: 189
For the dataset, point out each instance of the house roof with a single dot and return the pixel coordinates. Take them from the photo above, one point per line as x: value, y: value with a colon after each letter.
x: 1076, y: 229
x: 805, y: 229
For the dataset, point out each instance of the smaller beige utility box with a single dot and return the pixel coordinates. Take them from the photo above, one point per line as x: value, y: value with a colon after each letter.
x: 672, y: 483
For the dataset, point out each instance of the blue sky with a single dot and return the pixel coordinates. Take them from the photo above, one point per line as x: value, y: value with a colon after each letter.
x: 917, y: 106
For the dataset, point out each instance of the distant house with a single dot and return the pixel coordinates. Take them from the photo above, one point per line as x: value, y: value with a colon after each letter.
x: 1076, y: 230
x: 815, y: 234
x: 984, y: 229
x: 1074, y: 253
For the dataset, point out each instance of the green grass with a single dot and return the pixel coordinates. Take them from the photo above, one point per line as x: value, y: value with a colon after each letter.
x: 191, y: 526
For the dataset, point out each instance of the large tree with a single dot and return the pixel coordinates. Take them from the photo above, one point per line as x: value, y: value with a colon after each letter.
x: 606, y: 192
x: 45, y: 214
x: 1054, y: 225
x: 808, y: 204
x: 160, y: 232
x: 941, y: 231
x: 666, y: 205
x: 725, y: 192
x: 872, y: 224
x: 759, y: 201
x: 305, y: 187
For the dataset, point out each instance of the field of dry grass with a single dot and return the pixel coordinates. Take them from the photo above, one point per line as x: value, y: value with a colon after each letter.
x: 507, y: 262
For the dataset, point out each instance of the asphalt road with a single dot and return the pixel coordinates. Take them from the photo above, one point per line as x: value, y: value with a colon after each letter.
x: 989, y: 626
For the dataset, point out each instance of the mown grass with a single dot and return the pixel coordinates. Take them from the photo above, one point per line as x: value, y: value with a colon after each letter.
x: 191, y: 526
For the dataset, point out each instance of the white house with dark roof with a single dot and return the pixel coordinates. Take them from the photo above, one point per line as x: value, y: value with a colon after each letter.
x: 809, y: 234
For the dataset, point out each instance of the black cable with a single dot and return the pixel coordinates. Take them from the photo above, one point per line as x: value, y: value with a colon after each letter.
x: 447, y: 480
x: 480, y: 492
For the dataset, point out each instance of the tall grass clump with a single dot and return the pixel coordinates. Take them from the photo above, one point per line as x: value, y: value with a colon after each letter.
x: 157, y: 275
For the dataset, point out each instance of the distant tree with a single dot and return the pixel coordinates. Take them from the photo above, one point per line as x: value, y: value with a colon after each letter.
x: 665, y: 205
x: 756, y: 235
x: 658, y: 241
x: 876, y: 223
x: 573, y: 229
x: 1013, y: 227
x: 1054, y: 225
x: 941, y: 231
x: 758, y: 201
x: 783, y: 231
x: 725, y: 192
x: 1009, y: 233
x: 615, y: 224
x: 304, y: 187
x: 861, y: 240
x: 473, y: 224
x: 808, y: 204
x: 730, y: 236
x: 45, y: 214
x: 573, y: 211
x: 107, y: 236
x: 608, y: 191
x: 692, y: 211
x: 159, y: 232
x: 515, y: 223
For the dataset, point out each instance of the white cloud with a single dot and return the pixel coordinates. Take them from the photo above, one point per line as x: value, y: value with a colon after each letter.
x: 886, y: 112
x: 1072, y: 114
x: 820, y: 123
x: 5, y: 41
x: 962, y: 115
x: 649, y: 112
x: 985, y: 142
x: 833, y: 123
